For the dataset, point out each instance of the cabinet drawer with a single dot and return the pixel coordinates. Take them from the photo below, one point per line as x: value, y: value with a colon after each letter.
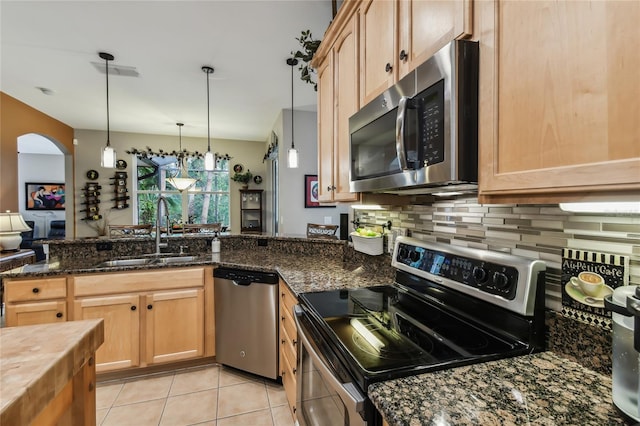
x: 287, y: 346
x: 30, y: 290
x: 287, y: 323
x: 287, y: 298
x: 289, y: 383
x: 36, y: 313
x: 115, y: 283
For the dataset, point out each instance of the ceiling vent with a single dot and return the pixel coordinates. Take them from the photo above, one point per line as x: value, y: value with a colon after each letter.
x: 121, y: 70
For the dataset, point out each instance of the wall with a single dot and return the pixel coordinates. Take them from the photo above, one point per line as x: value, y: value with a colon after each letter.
x: 91, y: 142
x: 536, y: 231
x: 17, y: 119
x: 293, y: 215
x: 39, y: 168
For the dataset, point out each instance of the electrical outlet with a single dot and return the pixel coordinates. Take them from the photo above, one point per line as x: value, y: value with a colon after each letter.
x: 104, y: 246
x: 262, y: 242
x: 392, y: 235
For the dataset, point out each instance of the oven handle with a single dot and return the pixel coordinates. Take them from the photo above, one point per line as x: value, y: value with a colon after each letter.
x: 346, y: 391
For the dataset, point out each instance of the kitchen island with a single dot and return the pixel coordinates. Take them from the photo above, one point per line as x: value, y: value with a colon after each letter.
x: 47, y: 373
x: 542, y: 389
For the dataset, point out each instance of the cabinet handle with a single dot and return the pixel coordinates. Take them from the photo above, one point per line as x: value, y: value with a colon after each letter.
x: 149, y: 307
x: 282, y: 295
x: 133, y: 308
x: 36, y: 290
x: 403, y: 55
x: 282, y: 317
x: 329, y: 188
x: 294, y: 371
x: 388, y: 67
x: 282, y: 341
x: 59, y: 315
x: 294, y: 341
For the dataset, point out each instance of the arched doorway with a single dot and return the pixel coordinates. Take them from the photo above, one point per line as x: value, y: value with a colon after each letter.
x: 44, y: 174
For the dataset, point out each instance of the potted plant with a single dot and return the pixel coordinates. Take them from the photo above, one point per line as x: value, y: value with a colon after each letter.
x: 243, y: 178
x: 305, y: 55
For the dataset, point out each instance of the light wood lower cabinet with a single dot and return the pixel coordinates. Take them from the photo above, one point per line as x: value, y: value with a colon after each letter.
x: 162, y: 321
x: 35, y: 301
x: 288, y: 345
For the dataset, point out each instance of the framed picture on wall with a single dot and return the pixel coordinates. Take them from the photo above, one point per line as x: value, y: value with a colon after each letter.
x: 44, y: 196
x: 311, y: 192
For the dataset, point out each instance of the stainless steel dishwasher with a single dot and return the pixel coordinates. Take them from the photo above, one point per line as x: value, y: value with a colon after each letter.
x: 246, y: 312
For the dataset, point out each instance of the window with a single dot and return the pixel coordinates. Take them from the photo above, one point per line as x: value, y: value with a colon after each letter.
x: 206, y: 202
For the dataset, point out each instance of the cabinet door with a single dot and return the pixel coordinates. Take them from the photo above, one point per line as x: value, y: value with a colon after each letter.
x: 347, y: 103
x: 426, y: 26
x: 378, y: 23
x: 175, y: 325
x: 326, y: 107
x: 559, y: 102
x: 121, y: 347
x: 36, y: 313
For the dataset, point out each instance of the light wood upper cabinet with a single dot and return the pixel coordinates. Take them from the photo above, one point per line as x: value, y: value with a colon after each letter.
x: 426, y: 26
x: 559, y: 105
x: 378, y: 29
x: 397, y: 36
x: 337, y: 101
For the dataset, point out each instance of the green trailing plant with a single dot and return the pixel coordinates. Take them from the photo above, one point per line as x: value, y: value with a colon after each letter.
x: 305, y: 55
x: 243, y: 178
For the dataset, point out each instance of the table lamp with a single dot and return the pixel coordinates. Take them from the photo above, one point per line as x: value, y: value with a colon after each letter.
x: 11, y: 225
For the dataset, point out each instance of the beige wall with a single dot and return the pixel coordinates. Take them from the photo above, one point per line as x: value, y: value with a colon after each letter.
x: 91, y: 142
x: 17, y: 119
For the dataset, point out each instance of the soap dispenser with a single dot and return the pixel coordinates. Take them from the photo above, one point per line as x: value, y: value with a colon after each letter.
x: 215, y: 244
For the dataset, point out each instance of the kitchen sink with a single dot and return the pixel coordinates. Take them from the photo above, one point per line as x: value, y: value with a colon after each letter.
x: 123, y: 262
x: 179, y: 259
x: 166, y: 260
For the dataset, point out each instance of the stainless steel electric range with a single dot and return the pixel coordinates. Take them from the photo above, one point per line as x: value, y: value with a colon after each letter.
x: 449, y: 306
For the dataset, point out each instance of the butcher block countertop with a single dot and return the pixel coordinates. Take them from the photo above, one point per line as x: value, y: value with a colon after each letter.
x: 37, y: 362
x: 539, y: 389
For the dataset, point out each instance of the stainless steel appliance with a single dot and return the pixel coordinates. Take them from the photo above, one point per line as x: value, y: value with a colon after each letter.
x: 421, y: 135
x: 246, y: 314
x: 449, y: 306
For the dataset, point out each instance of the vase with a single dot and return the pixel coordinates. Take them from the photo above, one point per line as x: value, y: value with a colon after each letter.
x: 245, y: 186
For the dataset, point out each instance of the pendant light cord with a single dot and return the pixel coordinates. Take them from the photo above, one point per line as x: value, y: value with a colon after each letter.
x: 106, y: 71
x: 292, y: 65
x: 208, y: 117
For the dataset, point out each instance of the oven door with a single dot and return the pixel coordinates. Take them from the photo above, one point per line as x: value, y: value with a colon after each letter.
x: 325, y: 394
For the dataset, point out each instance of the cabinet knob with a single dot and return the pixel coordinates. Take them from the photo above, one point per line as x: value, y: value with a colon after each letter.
x: 59, y: 315
x: 36, y: 290
x: 282, y: 317
x: 294, y: 341
x: 388, y: 67
x: 403, y: 55
x: 329, y: 188
x: 133, y: 308
x: 282, y: 341
x: 294, y: 371
x: 149, y: 307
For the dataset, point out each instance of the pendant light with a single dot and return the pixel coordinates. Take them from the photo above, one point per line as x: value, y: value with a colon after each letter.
x: 209, y: 158
x: 108, y: 158
x: 292, y: 153
x: 181, y: 181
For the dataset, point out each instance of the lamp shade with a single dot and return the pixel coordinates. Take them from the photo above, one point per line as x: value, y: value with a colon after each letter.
x: 11, y: 225
x: 181, y: 183
x: 292, y: 158
x: 108, y: 157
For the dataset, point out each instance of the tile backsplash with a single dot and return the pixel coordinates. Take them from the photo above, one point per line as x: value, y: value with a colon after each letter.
x: 535, y: 231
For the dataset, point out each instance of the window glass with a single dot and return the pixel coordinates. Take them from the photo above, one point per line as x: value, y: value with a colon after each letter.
x: 206, y: 202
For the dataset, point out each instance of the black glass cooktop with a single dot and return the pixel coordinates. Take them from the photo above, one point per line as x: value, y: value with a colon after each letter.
x: 385, y: 329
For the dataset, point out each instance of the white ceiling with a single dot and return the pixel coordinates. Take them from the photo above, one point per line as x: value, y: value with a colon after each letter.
x: 52, y: 44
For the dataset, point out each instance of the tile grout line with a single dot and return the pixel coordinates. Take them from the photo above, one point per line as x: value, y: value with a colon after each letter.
x: 166, y: 399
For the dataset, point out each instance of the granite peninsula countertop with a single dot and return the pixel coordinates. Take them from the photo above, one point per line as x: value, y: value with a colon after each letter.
x: 539, y: 389
x: 302, y: 272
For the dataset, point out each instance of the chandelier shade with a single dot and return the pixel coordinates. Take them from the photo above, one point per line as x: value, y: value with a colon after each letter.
x: 181, y: 181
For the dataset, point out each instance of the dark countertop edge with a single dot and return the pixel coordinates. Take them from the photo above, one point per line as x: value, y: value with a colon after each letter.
x: 93, y: 240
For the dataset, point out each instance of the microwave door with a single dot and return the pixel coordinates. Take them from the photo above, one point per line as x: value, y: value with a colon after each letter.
x: 401, y: 117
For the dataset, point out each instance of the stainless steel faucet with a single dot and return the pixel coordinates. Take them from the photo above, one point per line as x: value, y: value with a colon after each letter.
x: 160, y: 245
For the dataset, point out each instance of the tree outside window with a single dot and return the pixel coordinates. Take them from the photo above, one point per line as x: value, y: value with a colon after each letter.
x: 206, y: 202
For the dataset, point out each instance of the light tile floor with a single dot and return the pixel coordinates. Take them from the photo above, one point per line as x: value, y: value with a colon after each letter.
x: 212, y: 395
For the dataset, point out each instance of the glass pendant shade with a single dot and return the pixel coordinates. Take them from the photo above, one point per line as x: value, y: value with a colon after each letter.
x: 292, y: 158
x: 108, y: 159
x: 181, y: 183
x: 209, y: 161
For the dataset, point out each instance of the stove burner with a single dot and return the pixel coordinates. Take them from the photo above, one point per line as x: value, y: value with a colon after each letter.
x: 382, y: 343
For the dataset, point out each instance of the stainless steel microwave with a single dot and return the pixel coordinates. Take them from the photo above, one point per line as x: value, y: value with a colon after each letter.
x: 421, y: 135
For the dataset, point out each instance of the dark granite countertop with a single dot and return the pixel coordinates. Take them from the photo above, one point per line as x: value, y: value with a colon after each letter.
x: 303, y: 273
x: 539, y: 389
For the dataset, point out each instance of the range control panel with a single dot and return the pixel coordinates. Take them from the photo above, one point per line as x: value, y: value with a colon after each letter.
x: 489, y: 277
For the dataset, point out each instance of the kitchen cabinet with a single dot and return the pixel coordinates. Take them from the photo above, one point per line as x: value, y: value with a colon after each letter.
x: 251, y: 211
x: 150, y: 317
x: 288, y: 345
x: 397, y: 36
x: 337, y: 101
x: 35, y: 301
x: 558, y: 100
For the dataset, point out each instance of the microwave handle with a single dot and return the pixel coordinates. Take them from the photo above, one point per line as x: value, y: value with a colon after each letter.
x: 401, y: 152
